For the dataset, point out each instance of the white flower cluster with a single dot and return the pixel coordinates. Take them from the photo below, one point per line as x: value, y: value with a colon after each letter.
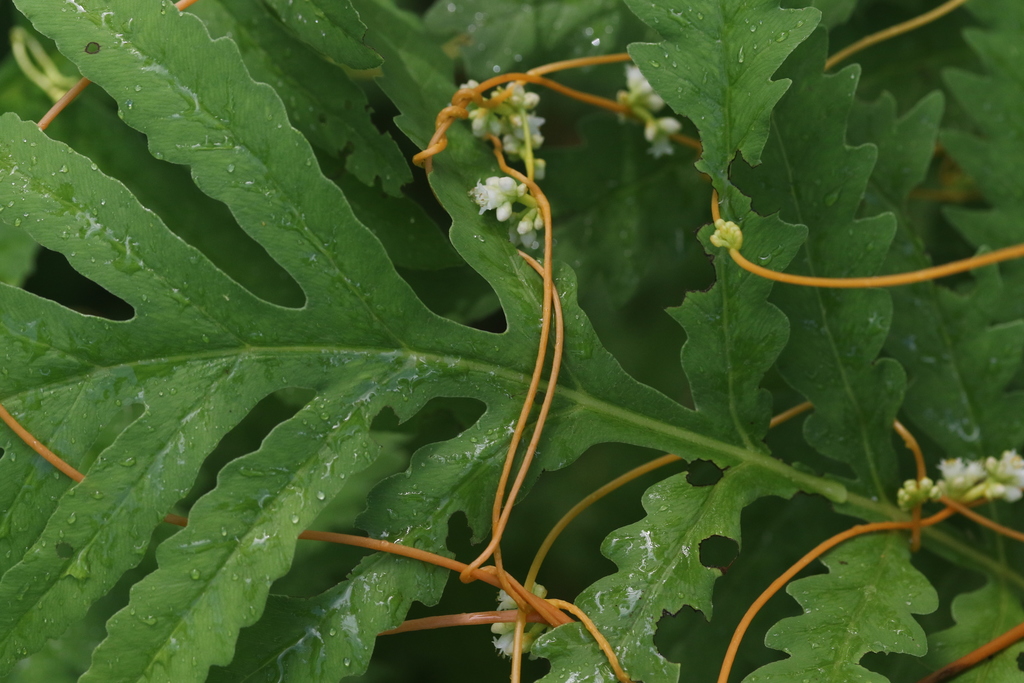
x: 505, y: 632
x: 645, y: 103
x: 500, y: 194
x: 511, y: 121
x: 967, y: 481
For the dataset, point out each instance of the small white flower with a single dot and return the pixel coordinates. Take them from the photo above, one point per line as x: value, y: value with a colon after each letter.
x: 468, y: 85
x: 505, y: 118
x: 503, y: 643
x: 533, y: 123
x: 529, y: 222
x: 497, y: 193
x: 639, y: 91
x: 657, y: 132
x: 510, y: 144
x: 484, y: 122
x: 520, y: 99
x: 1005, y: 476
x: 955, y: 470
x: 525, y: 226
x: 993, y: 490
x: 959, y: 479
x: 506, y: 630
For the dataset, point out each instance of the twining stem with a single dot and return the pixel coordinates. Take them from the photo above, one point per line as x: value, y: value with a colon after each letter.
x: 606, y: 648
x: 505, y: 616
x: 814, y: 554
x: 565, y: 64
x: 36, y: 445
x: 895, y: 280
x: 500, y: 510
x: 915, y: 515
x: 568, y: 517
x: 77, y: 89
x: 457, y: 110
x: 893, y: 31
x: 909, y: 441
x: 982, y: 520
x: 989, y: 649
x: 550, y: 614
x: 788, y: 415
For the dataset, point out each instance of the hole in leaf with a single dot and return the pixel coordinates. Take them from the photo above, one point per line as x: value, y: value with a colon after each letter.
x: 1020, y: 661
x: 495, y: 322
x: 440, y: 419
x: 703, y: 473
x: 55, y: 279
x: 459, y: 294
x: 718, y: 551
x: 64, y: 550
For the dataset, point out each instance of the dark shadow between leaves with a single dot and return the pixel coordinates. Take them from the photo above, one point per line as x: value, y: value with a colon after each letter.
x: 56, y: 280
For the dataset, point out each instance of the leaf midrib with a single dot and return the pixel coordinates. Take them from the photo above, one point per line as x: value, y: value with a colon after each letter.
x: 869, y: 453
x: 809, y: 483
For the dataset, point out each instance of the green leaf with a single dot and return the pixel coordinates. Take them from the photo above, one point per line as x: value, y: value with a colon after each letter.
x: 17, y: 254
x: 981, y: 616
x: 715, y: 66
x: 331, y: 27
x: 514, y: 35
x: 410, y: 237
x: 201, y: 351
x: 960, y: 361
x: 333, y: 308
x: 734, y: 335
x: 818, y: 180
x: 322, y: 101
x: 330, y: 636
x: 992, y: 157
x: 834, y: 12
x: 616, y: 208
x: 659, y: 571
x: 864, y: 604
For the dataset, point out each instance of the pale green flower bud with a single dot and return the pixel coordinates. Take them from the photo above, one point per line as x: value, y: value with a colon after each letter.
x: 727, y: 234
